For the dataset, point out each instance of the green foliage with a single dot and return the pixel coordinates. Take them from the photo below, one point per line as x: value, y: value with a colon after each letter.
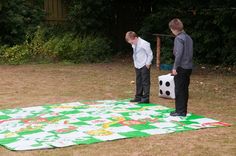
x: 157, y: 23
x: 2, y: 49
x: 17, y: 54
x: 89, y: 17
x: 94, y: 49
x: 61, y: 45
x: 17, y: 17
x: 39, y: 48
x: 80, y: 49
x: 36, y: 47
x: 50, y: 46
x: 211, y: 25
x: 31, y: 50
x: 66, y: 47
x: 166, y: 56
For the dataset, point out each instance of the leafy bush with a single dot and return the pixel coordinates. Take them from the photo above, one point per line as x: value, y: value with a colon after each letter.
x: 17, y: 17
x: 35, y: 44
x: 17, y: 54
x: 32, y: 50
x: 94, y: 49
x: 89, y: 17
x: 211, y: 26
x: 44, y: 47
x: 63, y: 47
x: 80, y: 49
x: 167, y: 55
x: 50, y: 46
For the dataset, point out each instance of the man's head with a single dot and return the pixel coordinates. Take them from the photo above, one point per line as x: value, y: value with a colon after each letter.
x: 176, y: 26
x: 131, y: 37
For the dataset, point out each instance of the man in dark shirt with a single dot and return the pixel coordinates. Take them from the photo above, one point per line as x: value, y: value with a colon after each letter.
x: 182, y: 68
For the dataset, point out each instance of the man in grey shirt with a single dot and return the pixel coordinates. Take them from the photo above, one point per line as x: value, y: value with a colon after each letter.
x: 183, y: 64
x: 142, y: 56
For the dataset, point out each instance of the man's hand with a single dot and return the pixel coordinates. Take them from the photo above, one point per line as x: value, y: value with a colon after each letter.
x: 174, y: 72
x: 148, y: 66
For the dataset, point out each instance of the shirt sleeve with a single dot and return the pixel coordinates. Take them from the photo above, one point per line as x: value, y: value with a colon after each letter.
x: 178, y: 52
x: 149, y: 54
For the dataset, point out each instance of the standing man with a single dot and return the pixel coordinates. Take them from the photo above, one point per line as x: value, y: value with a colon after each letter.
x: 142, y: 56
x: 182, y: 68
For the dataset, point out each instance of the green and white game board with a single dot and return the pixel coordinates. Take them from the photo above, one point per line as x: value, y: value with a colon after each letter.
x: 61, y: 125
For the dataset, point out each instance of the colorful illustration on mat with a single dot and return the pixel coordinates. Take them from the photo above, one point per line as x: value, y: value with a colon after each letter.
x: 67, y: 124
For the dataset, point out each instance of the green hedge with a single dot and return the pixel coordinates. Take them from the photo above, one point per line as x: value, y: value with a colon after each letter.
x: 17, y: 17
x: 66, y: 47
x: 211, y: 26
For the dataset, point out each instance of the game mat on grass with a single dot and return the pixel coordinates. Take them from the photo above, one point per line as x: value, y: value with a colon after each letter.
x: 61, y: 125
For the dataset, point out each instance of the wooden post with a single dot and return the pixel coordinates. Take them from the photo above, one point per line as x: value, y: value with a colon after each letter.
x: 159, y: 48
x: 158, y: 57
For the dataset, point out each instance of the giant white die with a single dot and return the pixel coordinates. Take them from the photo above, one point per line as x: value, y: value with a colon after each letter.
x: 166, y: 86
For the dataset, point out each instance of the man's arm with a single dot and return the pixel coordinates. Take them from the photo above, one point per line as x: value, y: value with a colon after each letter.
x: 178, y: 50
x: 149, y: 55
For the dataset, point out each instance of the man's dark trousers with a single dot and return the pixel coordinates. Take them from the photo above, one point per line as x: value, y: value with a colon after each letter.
x: 142, y: 83
x: 182, y: 80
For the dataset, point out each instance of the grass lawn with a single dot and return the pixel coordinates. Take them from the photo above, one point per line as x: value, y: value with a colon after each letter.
x: 212, y: 94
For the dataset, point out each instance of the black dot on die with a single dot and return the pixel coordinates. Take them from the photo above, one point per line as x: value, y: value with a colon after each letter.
x: 161, y: 92
x: 167, y: 93
x: 160, y: 83
x: 167, y: 84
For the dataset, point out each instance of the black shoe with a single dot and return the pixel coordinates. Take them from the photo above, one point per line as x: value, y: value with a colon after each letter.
x: 177, y: 114
x: 144, y: 101
x: 135, y: 100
